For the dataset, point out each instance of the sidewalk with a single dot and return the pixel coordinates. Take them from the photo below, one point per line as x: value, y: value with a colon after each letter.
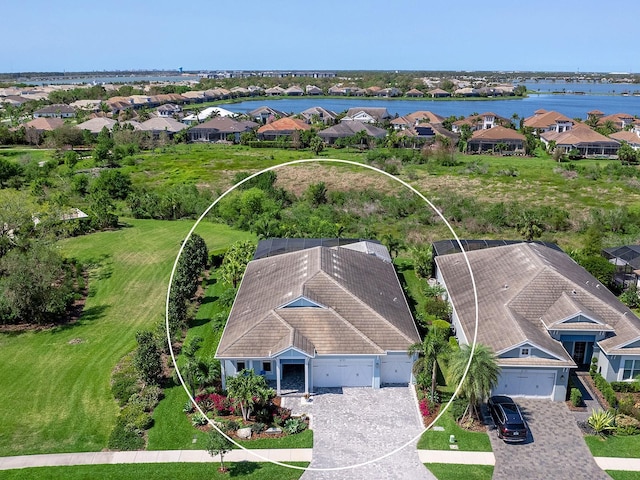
x: 160, y: 456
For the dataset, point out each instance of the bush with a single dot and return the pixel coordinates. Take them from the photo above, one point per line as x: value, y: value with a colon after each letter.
x: 188, y: 407
x: 626, y: 425
x: 424, y: 407
x: 576, y: 397
x: 605, y: 388
x: 123, y: 385
x: 294, y: 425
x: 457, y: 408
x: 148, y: 398
x: 602, y: 422
x: 123, y: 438
x: 258, y: 427
x: 198, y: 420
x: 134, y: 417
x: 626, y: 387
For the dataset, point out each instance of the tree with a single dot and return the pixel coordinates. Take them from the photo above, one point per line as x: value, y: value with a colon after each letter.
x: 148, y: 358
x: 248, y: 389
x: 422, y: 260
x: 481, y: 378
x: 317, y: 194
x: 218, y: 444
x: 434, y: 344
x: 626, y: 154
x: 235, y: 261
x: 317, y: 145
x: 529, y: 225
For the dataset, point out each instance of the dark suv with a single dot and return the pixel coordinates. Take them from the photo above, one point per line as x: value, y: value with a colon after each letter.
x: 508, y: 419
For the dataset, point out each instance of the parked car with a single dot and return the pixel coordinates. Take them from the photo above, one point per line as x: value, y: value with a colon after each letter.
x: 508, y: 419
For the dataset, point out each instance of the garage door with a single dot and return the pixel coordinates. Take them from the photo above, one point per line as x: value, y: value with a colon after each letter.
x: 526, y: 383
x: 394, y: 370
x: 342, y: 373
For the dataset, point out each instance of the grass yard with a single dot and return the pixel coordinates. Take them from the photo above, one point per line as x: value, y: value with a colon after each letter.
x: 623, y: 475
x: 614, y: 446
x: 55, y: 383
x: 159, y: 471
x: 448, y: 471
x: 466, y: 440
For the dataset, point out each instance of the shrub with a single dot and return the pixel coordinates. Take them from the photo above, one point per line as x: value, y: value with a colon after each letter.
x: 605, y: 389
x: 198, y: 420
x: 602, y: 422
x: 576, y: 397
x: 626, y: 387
x: 626, y: 425
x: 258, y: 427
x: 135, y: 418
x: 594, y: 365
x: 424, y: 407
x: 188, y: 407
x: 148, y: 398
x: 123, y: 438
x: 294, y: 425
x: 123, y: 385
x: 228, y: 426
x: 457, y: 408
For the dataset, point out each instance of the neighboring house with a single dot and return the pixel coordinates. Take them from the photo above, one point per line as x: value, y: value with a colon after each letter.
x: 158, y: 125
x: 283, y: 127
x: 414, y: 93
x: 313, y: 90
x: 340, y: 90
x: 169, y: 110
x: 438, y: 93
x: 14, y: 100
x: 44, y: 124
x: 466, y: 92
x: 544, y: 121
x: 335, y: 315
x: 367, y: 115
x: 219, y: 128
x: 629, y: 136
x: 55, y: 111
x: 349, y: 129
x: 95, y: 125
x: 206, y: 113
x: 619, y: 120
x: 194, y: 96
x: 320, y: 114
x: 88, y: 105
x: 481, y: 121
x: 294, y: 91
x: 542, y: 314
x: 388, y: 92
x: 264, y: 114
x: 496, y: 138
x: 588, y: 142
x: 274, y: 91
x: 627, y: 262
x: 416, y: 118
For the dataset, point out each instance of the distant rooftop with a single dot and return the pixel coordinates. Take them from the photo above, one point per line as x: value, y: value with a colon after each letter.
x: 278, y: 246
x: 445, y: 247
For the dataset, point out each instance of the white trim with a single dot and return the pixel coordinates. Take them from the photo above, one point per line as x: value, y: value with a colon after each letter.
x: 531, y: 344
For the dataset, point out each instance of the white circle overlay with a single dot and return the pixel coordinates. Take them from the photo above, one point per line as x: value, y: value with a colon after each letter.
x: 322, y: 160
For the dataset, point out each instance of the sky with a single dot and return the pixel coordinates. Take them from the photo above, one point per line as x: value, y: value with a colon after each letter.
x: 205, y: 35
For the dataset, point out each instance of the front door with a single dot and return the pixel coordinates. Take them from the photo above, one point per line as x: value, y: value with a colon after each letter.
x: 579, y: 349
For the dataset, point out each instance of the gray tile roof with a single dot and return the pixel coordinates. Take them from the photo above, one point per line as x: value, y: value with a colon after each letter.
x: 362, y: 306
x: 523, y: 289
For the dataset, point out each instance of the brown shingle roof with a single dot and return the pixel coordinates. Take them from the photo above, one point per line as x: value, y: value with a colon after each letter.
x: 362, y: 309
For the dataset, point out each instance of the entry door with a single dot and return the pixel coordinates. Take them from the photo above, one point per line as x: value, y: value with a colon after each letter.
x: 579, y: 349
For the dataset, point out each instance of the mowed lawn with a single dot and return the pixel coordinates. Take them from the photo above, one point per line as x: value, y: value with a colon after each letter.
x: 55, y: 383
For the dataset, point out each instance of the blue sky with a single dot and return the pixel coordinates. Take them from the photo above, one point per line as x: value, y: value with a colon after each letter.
x: 566, y: 35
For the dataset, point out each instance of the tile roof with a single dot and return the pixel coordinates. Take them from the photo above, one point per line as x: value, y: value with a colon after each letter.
x: 225, y: 124
x: 523, y: 290
x: 545, y: 119
x: 158, y: 124
x: 498, y: 133
x: 95, y: 125
x: 362, y: 306
x: 626, y: 136
x: 46, y: 124
x: 286, y: 124
x: 580, y: 133
x: 348, y: 129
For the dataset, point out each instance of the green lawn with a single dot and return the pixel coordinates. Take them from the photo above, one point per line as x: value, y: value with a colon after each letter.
x: 55, y: 383
x: 623, y: 475
x: 466, y: 440
x: 614, y: 446
x: 448, y: 471
x: 159, y: 471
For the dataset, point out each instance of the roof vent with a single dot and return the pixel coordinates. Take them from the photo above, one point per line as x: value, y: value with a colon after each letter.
x: 505, y: 286
x: 574, y: 291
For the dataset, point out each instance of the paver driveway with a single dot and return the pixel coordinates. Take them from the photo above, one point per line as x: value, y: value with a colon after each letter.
x: 355, y: 425
x: 555, y: 448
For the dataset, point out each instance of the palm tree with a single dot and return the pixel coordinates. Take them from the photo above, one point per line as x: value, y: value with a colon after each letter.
x: 481, y: 377
x: 435, y: 343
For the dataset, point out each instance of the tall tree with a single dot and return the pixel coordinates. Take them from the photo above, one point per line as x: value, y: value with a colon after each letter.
x: 481, y: 378
x: 235, y: 261
x: 248, y: 389
x: 434, y: 344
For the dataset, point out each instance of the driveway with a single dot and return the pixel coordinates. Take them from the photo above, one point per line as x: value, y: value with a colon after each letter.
x: 356, y: 425
x: 555, y: 448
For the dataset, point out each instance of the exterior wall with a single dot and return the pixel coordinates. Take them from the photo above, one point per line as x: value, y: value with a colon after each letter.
x: 455, y: 321
x: 533, y: 353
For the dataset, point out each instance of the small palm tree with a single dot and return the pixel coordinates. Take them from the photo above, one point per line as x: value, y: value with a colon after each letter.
x: 481, y: 377
x: 434, y: 344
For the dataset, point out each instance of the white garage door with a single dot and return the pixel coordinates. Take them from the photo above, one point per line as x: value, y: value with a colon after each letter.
x: 394, y: 369
x: 526, y: 383
x: 342, y: 373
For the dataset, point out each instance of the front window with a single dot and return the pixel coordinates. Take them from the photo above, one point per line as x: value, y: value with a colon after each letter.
x: 524, y: 352
x: 240, y: 366
x: 631, y: 369
x: 266, y: 366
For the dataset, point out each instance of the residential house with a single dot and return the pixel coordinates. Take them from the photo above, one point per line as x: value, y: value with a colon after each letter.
x: 330, y: 311
x: 438, y: 93
x: 313, y: 90
x: 157, y: 126
x: 14, y: 100
x: 169, y: 110
x: 372, y: 91
x: 206, y: 113
x: 274, y: 91
x: 466, y: 92
x: 95, y: 125
x: 55, y: 111
x: 220, y: 128
x: 349, y: 129
x: 294, y: 91
x: 415, y: 118
x: 319, y: 114
x: 283, y: 127
x: 195, y: 96
x: 367, y: 115
x: 481, y: 121
x: 414, y: 93
x: 542, y: 314
x: 544, y: 121
x: 348, y: 91
x: 496, y: 139
x: 620, y: 121
x: 44, y: 124
x: 632, y: 137
x: 388, y: 92
x: 265, y: 114
x: 588, y: 142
